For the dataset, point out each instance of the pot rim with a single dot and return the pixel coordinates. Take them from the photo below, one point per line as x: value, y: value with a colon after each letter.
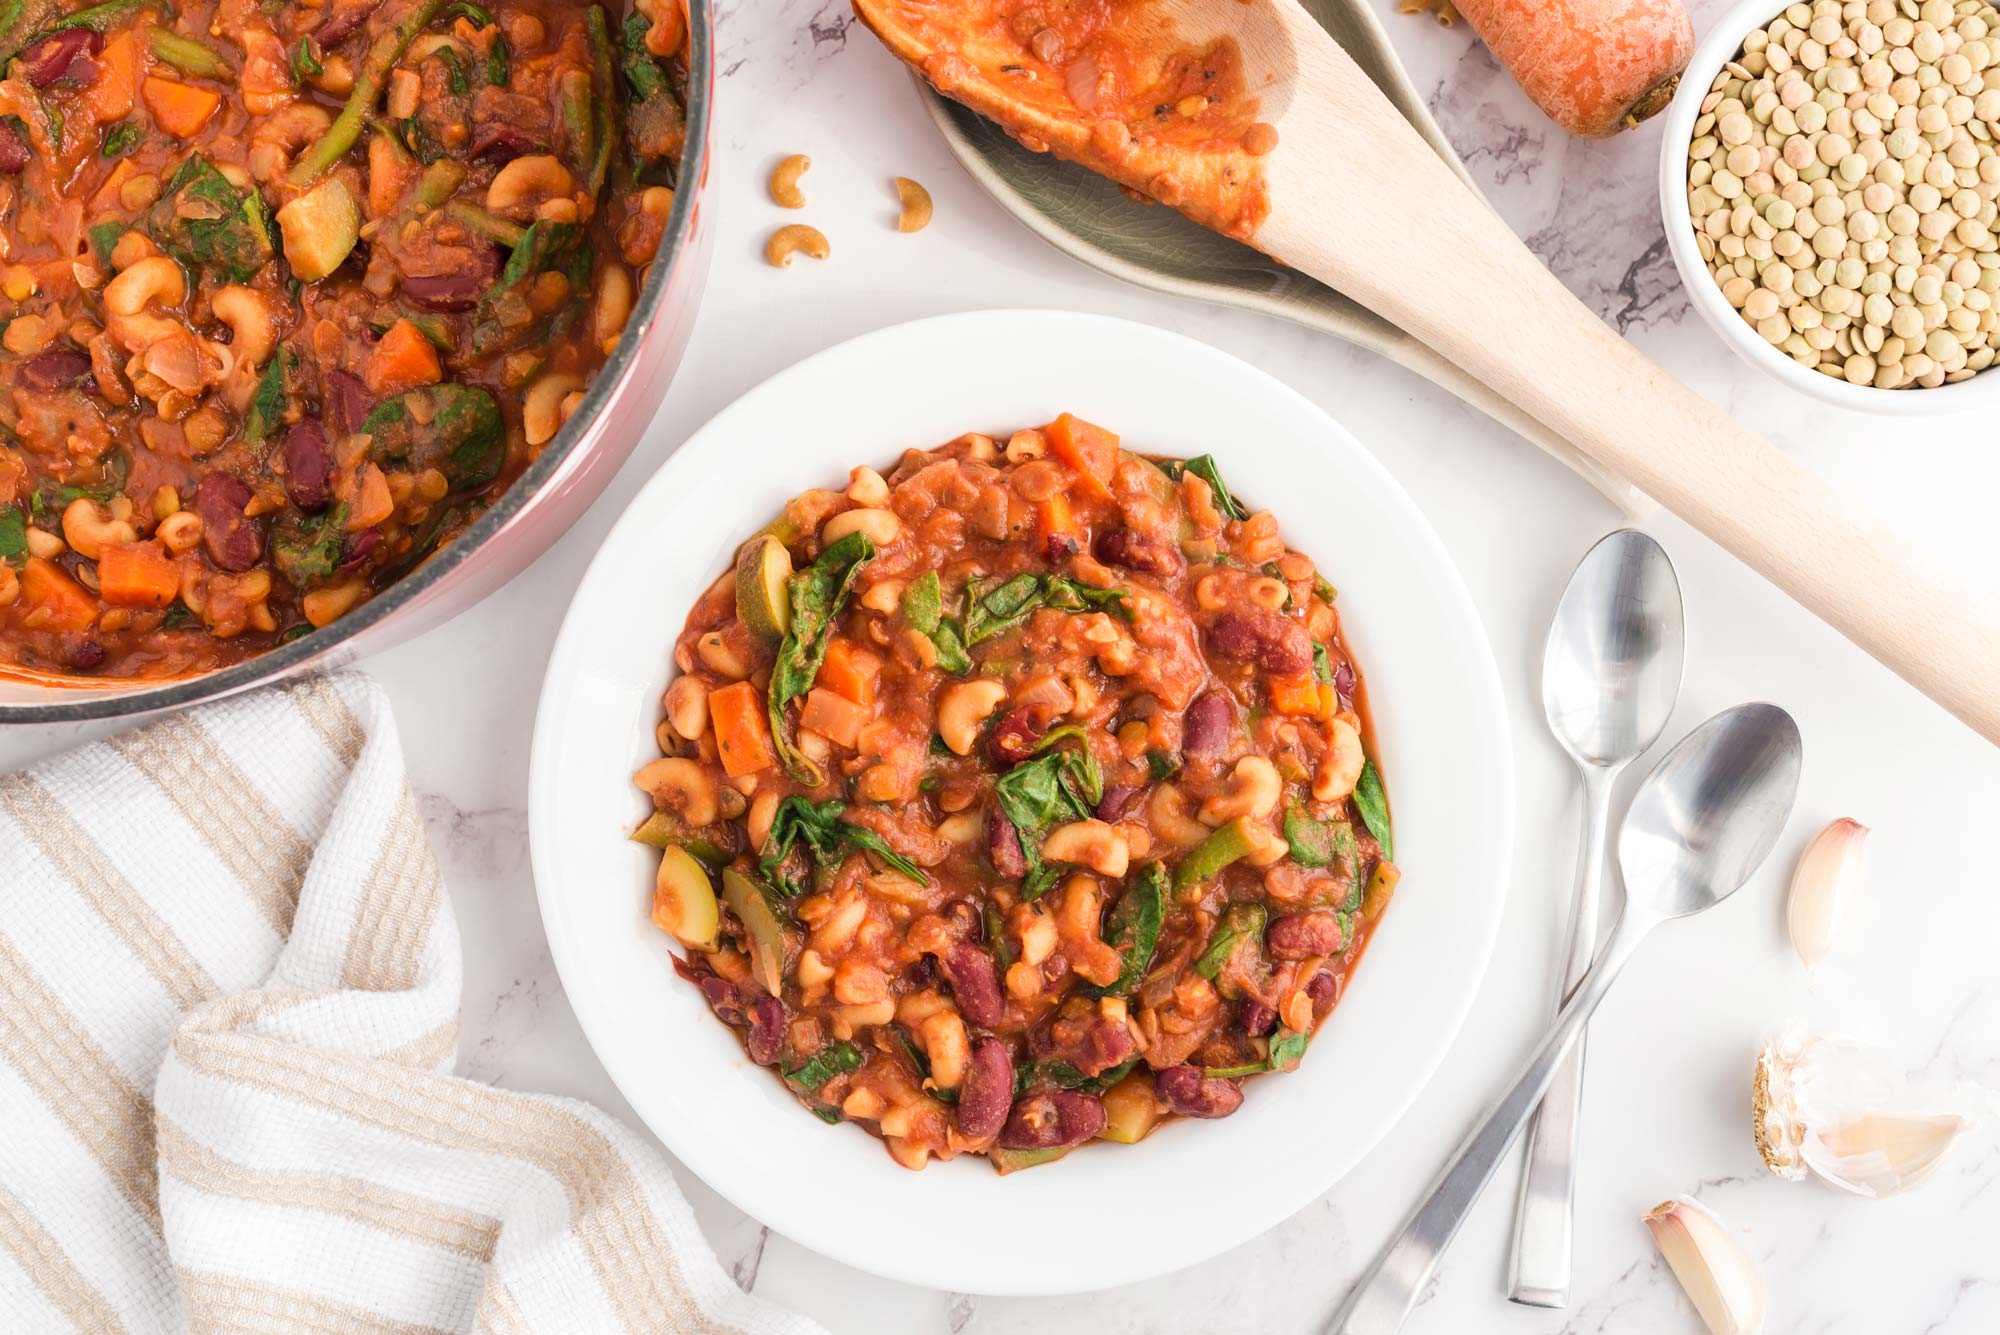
x: 283, y: 659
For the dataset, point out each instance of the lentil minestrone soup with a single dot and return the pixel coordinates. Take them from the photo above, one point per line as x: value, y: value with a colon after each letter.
x: 291, y: 290
x: 1018, y: 798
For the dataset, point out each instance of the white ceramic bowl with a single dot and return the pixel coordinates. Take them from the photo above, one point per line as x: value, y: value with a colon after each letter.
x: 1106, y: 1214
x: 1717, y: 49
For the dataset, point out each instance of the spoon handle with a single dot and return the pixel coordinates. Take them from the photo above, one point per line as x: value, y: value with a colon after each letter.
x: 1544, y: 1225
x: 1385, y: 1295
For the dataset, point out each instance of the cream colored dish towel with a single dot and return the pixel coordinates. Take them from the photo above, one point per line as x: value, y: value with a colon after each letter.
x: 229, y: 985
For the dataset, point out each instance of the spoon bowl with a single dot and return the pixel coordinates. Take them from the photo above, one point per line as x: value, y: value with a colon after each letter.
x: 1704, y: 819
x: 1612, y: 667
x: 1710, y: 812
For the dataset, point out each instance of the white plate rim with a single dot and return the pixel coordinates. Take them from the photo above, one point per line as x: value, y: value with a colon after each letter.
x: 1003, y: 329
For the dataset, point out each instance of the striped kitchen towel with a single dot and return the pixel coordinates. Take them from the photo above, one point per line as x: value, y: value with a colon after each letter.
x: 229, y: 982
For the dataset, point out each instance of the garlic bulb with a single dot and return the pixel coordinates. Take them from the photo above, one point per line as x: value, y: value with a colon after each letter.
x: 1845, y: 1114
x: 1718, y: 1276
x: 1828, y: 877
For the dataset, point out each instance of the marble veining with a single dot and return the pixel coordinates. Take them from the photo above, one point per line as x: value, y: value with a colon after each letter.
x: 1667, y: 1106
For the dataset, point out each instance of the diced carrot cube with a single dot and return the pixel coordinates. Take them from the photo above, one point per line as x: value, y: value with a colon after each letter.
x: 110, y: 98
x: 181, y: 109
x: 742, y: 737
x: 45, y: 588
x: 1089, y: 449
x: 850, y: 671
x: 1297, y: 696
x: 137, y: 574
x: 834, y: 717
x: 404, y: 359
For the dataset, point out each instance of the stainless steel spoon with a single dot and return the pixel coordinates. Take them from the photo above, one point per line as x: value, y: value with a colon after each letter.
x: 1703, y: 821
x: 1610, y: 675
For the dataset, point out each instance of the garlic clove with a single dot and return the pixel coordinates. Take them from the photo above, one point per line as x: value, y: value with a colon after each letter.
x: 1847, y: 1115
x: 1880, y: 1154
x: 1714, y: 1271
x: 1827, y: 878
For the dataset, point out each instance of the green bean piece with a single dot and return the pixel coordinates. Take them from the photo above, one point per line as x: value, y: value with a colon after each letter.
x: 346, y: 127
x: 486, y: 224
x: 599, y: 29
x: 438, y: 181
x: 578, y: 118
x: 187, y: 55
x: 600, y: 163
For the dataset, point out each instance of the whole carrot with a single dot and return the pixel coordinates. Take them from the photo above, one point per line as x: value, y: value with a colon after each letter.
x: 1594, y: 66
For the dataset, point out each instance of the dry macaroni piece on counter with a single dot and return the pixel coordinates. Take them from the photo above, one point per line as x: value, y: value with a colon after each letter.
x: 1018, y: 798
x: 291, y: 291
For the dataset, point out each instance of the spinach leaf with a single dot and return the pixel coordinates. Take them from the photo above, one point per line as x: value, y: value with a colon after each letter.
x: 817, y: 595
x: 1322, y: 664
x: 1162, y: 765
x: 1203, y: 466
x: 951, y: 655
x: 455, y: 69
x: 1285, y: 1049
x: 497, y: 63
x: 121, y: 138
x: 826, y: 836
x: 994, y: 611
x: 267, y: 404
x: 545, y: 245
x: 1038, y: 795
x: 826, y: 1064
x: 104, y: 238
x: 1133, y: 929
x: 643, y: 74
x: 1240, y: 923
x: 1317, y: 843
x: 203, y: 222
x: 923, y: 603
x: 13, y: 535
x: 1061, y: 1075
x: 1373, y: 804
x: 453, y: 428
x: 307, y: 549
x: 305, y: 60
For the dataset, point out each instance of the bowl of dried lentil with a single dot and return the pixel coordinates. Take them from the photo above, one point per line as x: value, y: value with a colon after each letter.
x: 1828, y: 182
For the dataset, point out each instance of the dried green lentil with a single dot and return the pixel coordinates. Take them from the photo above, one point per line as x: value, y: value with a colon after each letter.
x: 1843, y: 178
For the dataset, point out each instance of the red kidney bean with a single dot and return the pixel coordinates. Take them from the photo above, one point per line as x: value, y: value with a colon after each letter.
x: 1059, y: 547
x: 967, y: 922
x: 354, y: 553
x: 1206, y: 725
x: 1117, y: 800
x: 988, y: 1091
x: 766, y: 1038
x: 1185, y: 1090
x: 52, y: 57
x: 975, y: 982
x: 1015, y: 736
x: 308, y: 467
x: 79, y: 652
x: 1256, y: 1018
x: 1003, y: 845
x: 233, y: 542
x: 1153, y: 553
x: 1055, y: 1120
x: 1324, y: 989
x: 499, y: 143
x: 1301, y: 936
x: 346, y: 400
x: 13, y: 150
x: 52, y: 370
x: 1343, y: 678
x: 1275, y: 643
x: 342, y: 23
x: 457, y: 289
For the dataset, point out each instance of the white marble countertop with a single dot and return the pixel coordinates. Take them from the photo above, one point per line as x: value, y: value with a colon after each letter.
x: 1670, y: 1061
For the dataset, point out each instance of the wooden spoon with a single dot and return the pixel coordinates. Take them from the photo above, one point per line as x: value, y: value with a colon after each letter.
x: 1346, y: 191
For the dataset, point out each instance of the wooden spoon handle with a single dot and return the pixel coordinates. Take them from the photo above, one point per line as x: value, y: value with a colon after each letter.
x: 1418, y: 247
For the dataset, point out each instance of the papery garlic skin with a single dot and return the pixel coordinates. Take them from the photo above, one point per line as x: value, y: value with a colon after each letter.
x: 1823, y: 886
x: 1714, y: 1271
x: 1848, y: 1116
